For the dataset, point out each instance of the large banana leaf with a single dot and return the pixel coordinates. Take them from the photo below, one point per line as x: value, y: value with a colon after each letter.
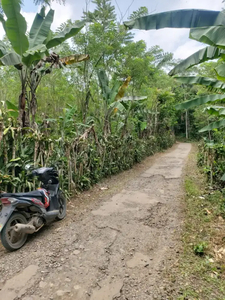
x: 222, y: 112
x: 184, y: 18
x: 220, y: 70
x: 115, y: 106
x: 217, y: 124
x: 65, y: 34
x: 213, y: 36
x: 135, y: 98
x: 216, y: 84
x: 34, y: 54
x: 114, y: 91
x: 15, y: 26
x: 42, y: 11
x: 199, y: 101
x: 40, y: 29
x: 12, y: 110
x: 215, y: 110
x: 104, y: 84
x: 3, y: 50
x: 117, y: 92
x: 10, y: 59
x: 198, y: 57
x: 49, y: 37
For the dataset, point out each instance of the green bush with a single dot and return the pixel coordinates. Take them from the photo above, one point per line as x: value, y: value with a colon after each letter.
x: 200, y: 248
x: 81, y: 163
x: 211, y: 158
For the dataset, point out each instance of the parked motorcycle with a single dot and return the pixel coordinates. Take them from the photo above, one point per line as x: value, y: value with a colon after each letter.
x: 26, y: 213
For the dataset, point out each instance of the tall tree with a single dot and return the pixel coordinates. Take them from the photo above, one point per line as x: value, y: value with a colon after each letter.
x: 103, y: 14
x: 141, y: 12
x: 103, y: 40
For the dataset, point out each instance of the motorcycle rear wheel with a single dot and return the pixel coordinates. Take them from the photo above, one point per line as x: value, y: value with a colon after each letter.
x: 12, y: 240
x: 62, y: 206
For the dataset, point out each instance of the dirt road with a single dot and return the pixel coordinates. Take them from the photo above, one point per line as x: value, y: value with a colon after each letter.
x: 114, y: 248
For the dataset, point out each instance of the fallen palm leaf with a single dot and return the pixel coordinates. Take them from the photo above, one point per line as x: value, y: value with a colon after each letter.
x: 123, y: 88
x: 75, y: 58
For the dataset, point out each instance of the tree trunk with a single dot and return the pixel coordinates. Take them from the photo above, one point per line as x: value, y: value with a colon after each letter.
x: 22, y: 109
x: 33, y: 108
x: 86, y: 105
x: 106, y: 129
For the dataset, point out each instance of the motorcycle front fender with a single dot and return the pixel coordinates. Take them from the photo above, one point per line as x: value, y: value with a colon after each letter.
x: 5, y: 214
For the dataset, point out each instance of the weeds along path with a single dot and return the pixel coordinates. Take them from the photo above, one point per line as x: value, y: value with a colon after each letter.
x: 111, y: 247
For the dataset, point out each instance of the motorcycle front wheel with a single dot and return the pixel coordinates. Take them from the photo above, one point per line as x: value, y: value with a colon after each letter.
x: 62, y: 206
x: 12, y: 240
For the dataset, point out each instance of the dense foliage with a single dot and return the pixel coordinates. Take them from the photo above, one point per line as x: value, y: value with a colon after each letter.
x: 95, y: 118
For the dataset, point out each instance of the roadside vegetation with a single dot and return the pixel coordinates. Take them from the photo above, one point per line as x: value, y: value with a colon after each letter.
x: 199, y: 271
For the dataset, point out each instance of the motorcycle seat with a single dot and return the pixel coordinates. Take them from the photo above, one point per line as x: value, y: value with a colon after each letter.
x: 32, y: 194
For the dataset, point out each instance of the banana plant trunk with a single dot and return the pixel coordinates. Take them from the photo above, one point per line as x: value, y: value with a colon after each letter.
x: 107, y: 127
x: 33, y: 107
x: 22, y: 109
x: 106, y: 124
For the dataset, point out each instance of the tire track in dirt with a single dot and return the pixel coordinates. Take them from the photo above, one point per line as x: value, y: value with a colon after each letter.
x: 114, y: 249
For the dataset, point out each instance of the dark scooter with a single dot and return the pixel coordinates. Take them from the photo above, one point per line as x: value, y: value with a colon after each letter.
x: 26, y: 213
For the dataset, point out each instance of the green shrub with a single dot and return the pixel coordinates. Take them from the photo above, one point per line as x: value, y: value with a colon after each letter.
x: 200, y: 248
x: 81, y: 163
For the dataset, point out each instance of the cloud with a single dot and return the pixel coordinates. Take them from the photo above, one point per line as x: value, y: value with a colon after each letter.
x: 63, y: 13
x: 165, y: 5
x: 187, y: 49
x: 29, y: 17
x: 168, y: 39
x: 201, y: 4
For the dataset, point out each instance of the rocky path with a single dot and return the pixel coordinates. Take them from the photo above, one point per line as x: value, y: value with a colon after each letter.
x: 114, y: 248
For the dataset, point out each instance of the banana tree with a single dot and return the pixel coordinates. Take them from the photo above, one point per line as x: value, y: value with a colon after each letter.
x: 206, y: 27
x: 115, y: 102
x: 111, y: 97
x: 215, y: 110
x: 136, y: 108
x: 31, y: 54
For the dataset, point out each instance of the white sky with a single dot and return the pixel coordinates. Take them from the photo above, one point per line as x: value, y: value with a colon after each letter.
x: 170, y: 40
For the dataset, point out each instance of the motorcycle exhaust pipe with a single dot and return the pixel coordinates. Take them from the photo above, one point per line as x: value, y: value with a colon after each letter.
x: 24, y: 228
